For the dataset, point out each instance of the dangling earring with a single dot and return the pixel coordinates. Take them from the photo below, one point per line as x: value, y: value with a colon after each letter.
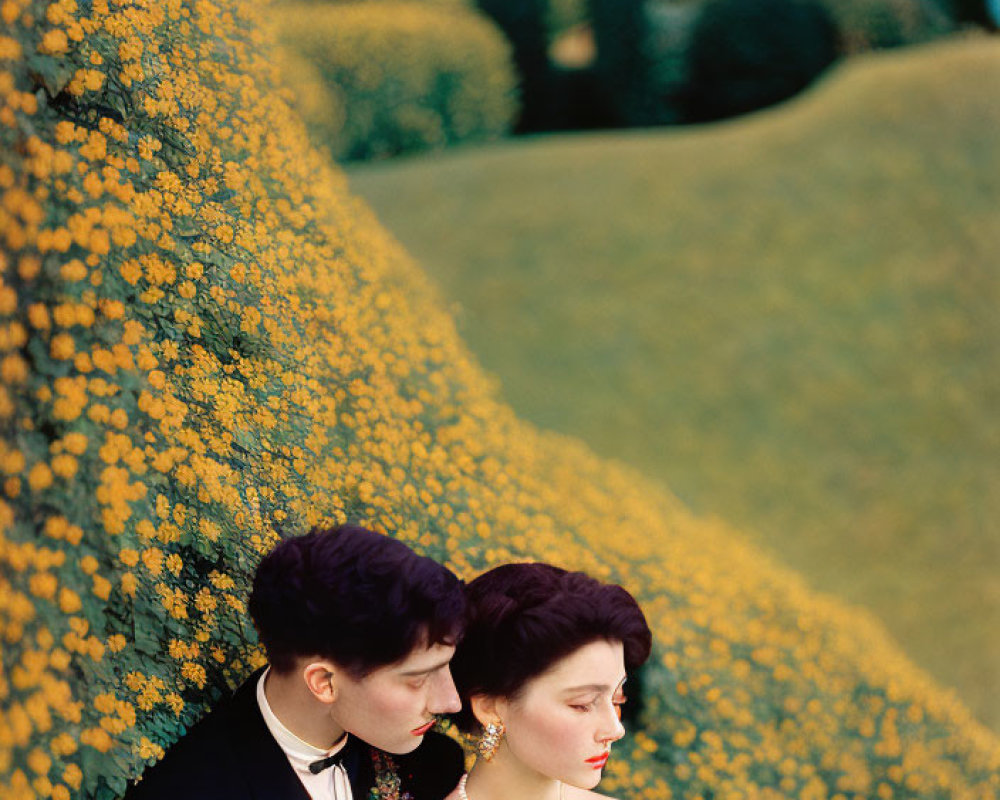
x: 490, y: 740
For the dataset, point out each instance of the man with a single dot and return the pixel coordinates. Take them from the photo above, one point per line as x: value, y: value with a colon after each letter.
x: 358, y: 631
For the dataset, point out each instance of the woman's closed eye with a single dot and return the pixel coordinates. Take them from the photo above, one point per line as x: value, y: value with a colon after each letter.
x: 590, y: 705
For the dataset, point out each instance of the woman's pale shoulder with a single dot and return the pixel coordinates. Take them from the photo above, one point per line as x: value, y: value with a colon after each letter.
x: 573, y: 793
x: 570, y: 793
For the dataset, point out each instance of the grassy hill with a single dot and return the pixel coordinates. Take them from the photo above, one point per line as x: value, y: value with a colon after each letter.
x: 790, y: 318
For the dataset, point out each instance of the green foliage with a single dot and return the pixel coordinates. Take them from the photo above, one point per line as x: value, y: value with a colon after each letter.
x: 396, y: 77
x: 621, y: 33
x: 878, y: 24
x: 564, y: 14
x: 525, y: 24
x: 669, y: 44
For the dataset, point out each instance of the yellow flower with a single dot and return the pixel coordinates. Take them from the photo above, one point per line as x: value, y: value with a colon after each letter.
x: 131, y: 271
x: 43, y: 585
x: 195, y: 673
x: 54, y: 42
x: 69, y: 601
x: 39, y: 762
x: 101, y: 587
x: 11, y: 461
x: 75, y: 443
x: 73, y: 271
x: 97, y: 738
x: 62, y: 347
x: 152, y: 558
x: 13, y: 369
x: 148, y: 749
x: 73, y: 776
x: 28, y: 267
x: 64, y: 466
x: 40, y: 477
x: 175, y: 702
x: 38, y: 316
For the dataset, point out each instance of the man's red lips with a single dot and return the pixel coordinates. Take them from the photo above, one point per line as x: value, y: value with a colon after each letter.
x: 423, y: 729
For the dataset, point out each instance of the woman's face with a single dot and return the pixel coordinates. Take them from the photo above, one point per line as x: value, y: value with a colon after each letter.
x: 563, y: 722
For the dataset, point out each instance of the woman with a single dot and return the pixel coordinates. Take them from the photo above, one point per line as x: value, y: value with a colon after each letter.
x: 541, y: 672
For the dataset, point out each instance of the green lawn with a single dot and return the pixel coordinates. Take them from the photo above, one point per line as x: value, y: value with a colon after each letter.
x: 791, y: 319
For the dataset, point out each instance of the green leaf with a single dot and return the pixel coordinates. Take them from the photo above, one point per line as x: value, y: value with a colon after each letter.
x: 53, y: 73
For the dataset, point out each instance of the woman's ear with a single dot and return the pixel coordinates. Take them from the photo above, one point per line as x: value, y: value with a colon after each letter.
x: 321, y: 679
x: 486, y: 708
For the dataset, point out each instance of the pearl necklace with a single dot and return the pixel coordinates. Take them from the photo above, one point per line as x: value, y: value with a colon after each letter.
x: 463, y: 795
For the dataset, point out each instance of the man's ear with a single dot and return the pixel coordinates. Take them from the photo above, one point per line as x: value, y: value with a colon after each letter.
x: 321, y: 679
x: 487, y: 709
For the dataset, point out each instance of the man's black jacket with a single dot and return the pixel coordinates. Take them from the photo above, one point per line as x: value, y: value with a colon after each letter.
x: 231, y: 755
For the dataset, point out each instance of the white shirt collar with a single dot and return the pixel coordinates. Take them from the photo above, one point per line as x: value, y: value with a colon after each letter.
x: 297, y: 750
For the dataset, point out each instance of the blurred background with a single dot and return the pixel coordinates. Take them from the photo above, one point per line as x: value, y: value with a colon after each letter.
x: 748, y: 246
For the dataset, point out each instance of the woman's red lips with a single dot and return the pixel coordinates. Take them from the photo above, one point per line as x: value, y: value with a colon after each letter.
x: 598, y: 761
x: 423, y: 729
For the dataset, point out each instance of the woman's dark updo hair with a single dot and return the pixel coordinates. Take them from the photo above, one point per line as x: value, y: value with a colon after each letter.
x: 523, y: 618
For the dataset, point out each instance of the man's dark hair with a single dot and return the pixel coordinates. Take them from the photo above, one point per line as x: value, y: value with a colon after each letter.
x: 523, y: 618
x: 359, y: 598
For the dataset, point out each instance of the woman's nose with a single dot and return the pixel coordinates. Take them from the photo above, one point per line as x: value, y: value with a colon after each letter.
x: 612, y: 729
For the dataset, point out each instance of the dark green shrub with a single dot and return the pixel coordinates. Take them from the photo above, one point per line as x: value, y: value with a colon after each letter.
x: 525, y: 23
x: 670, y: 27
x: 748, y: 54
x: 878, y: 24
x: 621, y: 32
x: 397, y: 76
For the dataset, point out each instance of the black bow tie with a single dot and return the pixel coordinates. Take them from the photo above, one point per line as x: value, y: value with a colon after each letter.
x: 337, y: 759
x: 317, y: 767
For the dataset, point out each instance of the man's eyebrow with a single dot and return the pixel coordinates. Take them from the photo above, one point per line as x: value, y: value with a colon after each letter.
x: 425, y: 670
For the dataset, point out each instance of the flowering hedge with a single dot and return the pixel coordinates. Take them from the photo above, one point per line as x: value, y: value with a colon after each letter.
x: 398, y: 76
x: 206, y: 343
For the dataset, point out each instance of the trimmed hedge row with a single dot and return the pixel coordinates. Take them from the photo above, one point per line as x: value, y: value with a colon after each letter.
x: 206, y: 344
x: 397, y: 77
x: 877, y: 24
x: 662, y: 61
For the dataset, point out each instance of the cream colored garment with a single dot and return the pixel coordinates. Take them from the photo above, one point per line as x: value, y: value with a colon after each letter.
x: 331, y: 783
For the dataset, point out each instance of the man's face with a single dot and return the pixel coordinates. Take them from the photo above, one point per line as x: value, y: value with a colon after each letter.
x: 394, y: 706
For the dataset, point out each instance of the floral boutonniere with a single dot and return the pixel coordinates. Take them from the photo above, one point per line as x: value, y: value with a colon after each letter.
x: 387, y: 782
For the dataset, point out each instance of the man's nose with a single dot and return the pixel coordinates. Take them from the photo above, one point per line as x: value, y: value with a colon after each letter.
x: 444, y: 697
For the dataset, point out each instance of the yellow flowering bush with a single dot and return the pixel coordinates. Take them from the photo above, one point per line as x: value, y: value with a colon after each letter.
x: 206, y: 344
x: 379, y: 78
